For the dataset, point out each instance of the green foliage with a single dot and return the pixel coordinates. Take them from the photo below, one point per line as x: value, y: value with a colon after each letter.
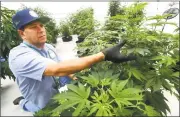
x: 134, y: 88
x: 110, y: 97
x: 82, y: 22
x: 157, y: 52
x: 64, y: 28
x: 157, y: 100
x: 9, y: 39
x: 151, y: 112
x: 76, y: 96
x: 126, y: 18
x: 114, y: 8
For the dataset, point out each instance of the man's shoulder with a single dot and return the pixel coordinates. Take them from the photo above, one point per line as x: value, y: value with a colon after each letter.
x: 19, y: 50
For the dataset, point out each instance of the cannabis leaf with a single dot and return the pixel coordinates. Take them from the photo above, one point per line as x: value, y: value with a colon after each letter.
x: 74, y: 96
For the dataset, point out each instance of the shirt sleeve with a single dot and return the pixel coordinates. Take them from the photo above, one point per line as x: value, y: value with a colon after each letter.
x: 30, y: 65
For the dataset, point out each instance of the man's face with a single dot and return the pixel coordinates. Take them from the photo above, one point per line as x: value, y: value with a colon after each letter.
x: 34, y: 33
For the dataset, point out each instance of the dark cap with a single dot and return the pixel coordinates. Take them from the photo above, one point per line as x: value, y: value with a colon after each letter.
x: 27, y: 16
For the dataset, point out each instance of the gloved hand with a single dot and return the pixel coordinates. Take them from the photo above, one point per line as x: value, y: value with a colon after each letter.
x: 112, y: 54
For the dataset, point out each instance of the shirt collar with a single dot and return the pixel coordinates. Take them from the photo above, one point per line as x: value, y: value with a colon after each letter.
x: 32, y: 46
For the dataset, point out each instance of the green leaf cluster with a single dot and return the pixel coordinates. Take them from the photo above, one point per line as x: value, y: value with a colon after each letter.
x: 101, y: 94
x: 157, y: 65
x: 82, y: 22
x: 9, y: 39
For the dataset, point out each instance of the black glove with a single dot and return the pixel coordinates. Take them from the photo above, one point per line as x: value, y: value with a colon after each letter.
x: 112, y: 54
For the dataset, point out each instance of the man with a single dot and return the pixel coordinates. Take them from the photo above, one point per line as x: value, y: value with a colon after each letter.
x: 34, y: 63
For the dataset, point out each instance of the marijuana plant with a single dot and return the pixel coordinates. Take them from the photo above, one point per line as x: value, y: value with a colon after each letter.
x: 134, y: 88
x: 102, y: 93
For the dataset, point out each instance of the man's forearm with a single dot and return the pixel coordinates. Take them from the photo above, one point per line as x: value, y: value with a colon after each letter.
x: 71, y: 66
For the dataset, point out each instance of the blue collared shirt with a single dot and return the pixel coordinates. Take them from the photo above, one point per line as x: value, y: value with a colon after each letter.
x: 28, y: 64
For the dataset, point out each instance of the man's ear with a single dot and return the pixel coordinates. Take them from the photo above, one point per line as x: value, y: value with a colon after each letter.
x: 21, y: 34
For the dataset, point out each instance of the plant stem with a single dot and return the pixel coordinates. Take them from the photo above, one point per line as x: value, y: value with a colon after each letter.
x: 164, y: 26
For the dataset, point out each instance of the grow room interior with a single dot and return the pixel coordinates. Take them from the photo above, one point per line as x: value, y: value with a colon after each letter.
x: 68, y: 50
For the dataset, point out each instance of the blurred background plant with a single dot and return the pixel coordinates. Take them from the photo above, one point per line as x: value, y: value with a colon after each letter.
x: 65, y: 31
x: 82, y: 23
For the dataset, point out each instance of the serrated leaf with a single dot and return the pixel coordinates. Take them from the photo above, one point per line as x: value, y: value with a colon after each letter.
x: 137, y: 74
x: 88, y: 92
x: 99, y: 112
x: 157, y: 58
x: 113, y: 85
x: 150, y: 111
x: 82, y: 90
x: 152, y: 38
x: 158, y: 84
x: 166, y: 85
x: 130, y: 94
x: 71, y: 96
x: 56, y: 97
x: 95, y: 75
x: 116, y: 76
x: 176, y: 74
x: 92, y: 110
x: 119, y: 104
x: 106, y: 81
x: 105, y: 113
x: 123, y: 101
x: 142, y: 51
x: 129, y: 74
x: 170, y: 61
x: 134, y: 97
x: 88, y: 104
x: 112, y: 93
x: 150, y: 82
x: 64, y: 106
x: 108, y: 74
x: 95, y: 93
x: 160, y: 104
x: 121, y: 84
x: 101, y: 74
x: 130, y: 91
x: 93, y: 97
x: 76, y: 89
x: 79, y: 108
x: 125, y: 113
x: 105, y: 97
x: 93, y: 81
